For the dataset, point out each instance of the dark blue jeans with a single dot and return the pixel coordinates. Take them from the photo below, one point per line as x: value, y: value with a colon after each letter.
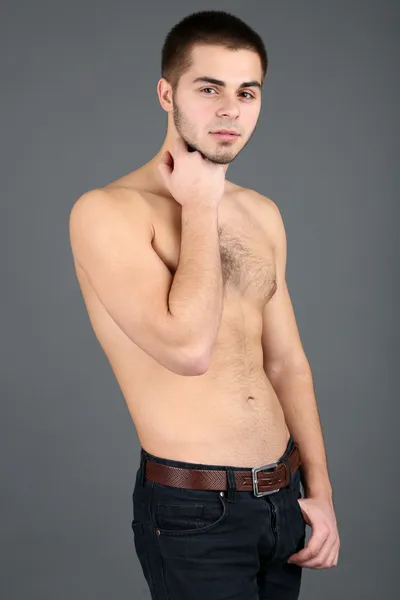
x: 204, y: 545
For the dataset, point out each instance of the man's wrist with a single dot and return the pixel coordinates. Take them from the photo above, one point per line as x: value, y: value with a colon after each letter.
x: 316, y: 484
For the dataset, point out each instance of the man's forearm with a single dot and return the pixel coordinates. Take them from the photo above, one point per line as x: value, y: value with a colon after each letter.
x: 295, y: 391
x: 196, y: 294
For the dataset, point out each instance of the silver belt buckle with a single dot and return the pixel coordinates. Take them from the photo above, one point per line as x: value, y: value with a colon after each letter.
x: 254, y: 472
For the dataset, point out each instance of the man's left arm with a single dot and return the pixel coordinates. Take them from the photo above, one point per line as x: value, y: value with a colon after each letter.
x: 289, y: 372
x: 288, y: 369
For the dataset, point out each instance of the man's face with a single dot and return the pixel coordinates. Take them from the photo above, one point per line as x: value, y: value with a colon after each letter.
x: 204, y: 107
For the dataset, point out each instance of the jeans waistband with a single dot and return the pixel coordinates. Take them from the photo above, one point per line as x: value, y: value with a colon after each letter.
x: 144, y: 455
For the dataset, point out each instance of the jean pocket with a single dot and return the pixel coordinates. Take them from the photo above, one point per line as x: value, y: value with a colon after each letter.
x: 181, y: 515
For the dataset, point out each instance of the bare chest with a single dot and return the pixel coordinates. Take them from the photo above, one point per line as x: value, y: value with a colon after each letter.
x: 247, y: 261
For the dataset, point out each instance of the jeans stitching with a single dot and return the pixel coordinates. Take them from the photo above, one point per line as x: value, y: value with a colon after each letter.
x: 197, y: 531
x: 157, y: 545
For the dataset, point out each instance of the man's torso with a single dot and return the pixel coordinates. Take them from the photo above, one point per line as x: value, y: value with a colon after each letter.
x: 229, y: 415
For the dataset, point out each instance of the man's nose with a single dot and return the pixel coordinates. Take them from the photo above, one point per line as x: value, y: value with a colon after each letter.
x: 229, y: 108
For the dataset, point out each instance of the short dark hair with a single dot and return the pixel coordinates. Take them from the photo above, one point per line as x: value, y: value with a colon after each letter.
x: 207, y: 27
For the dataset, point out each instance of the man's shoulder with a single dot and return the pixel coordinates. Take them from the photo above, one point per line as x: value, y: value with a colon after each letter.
x: 265, y: 203
x: 104, y: 209
x: 266, y: 212
x: 120, y: 194
x: 262, y: 204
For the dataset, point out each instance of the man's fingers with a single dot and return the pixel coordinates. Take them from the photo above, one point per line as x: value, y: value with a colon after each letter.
x: 167, y: 159
x: 325, y: 559
x: 165, y: 167
x: 319, y: 561
x: 180, y: 146
x: 312, y: 549
x: 332, y: 559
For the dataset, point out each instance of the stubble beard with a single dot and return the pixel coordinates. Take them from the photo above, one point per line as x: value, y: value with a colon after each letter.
x: 185, y: 130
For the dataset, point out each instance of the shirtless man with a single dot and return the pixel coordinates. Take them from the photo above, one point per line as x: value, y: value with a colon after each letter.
x: 183, y: 276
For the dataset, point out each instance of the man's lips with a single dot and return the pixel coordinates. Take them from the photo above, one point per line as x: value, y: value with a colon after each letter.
x: 225, y: 135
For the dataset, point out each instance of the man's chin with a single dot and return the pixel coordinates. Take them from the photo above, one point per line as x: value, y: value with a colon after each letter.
x: 218, y: 159
x: 222, y: 160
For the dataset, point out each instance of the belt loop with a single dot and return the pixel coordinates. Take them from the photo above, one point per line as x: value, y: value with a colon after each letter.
x: 231, y: 485
x: 142, y: 468
x: 288, y: 473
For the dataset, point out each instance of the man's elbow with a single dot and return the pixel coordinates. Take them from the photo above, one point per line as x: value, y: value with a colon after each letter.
x: 195, y: 362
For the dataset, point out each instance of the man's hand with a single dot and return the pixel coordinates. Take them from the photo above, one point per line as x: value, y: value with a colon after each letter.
x: 190, y: 178
x: 322, y: 549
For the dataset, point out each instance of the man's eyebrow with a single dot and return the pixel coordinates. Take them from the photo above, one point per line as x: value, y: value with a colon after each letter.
x: 254, y: 83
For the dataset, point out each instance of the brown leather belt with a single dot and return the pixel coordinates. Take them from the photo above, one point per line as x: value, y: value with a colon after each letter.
x: 263, y: 480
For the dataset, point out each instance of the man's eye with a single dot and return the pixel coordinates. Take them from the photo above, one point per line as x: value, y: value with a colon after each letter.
x: 209, y: 89
x: 248, y: 94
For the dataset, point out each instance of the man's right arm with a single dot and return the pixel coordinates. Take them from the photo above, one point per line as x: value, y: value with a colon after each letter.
x: 173, y: 319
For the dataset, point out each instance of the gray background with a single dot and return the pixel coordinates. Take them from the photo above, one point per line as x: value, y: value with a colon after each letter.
x: 79, y: 109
